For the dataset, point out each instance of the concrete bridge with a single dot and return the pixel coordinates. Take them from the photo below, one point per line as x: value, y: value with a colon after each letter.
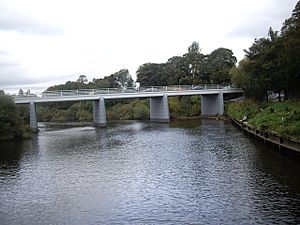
x: 212, y: 100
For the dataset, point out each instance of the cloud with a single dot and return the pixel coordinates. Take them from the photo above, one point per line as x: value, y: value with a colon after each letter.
x: 14, y: 75
x: 254, y: 23
x: 11, y: 20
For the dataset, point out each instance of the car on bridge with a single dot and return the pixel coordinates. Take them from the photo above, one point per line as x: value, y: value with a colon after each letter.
x: 199, y: 87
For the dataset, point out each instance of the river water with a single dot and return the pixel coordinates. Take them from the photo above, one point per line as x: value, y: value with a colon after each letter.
x: 187, y: 172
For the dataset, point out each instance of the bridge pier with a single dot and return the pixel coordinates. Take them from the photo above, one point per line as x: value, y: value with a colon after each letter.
x: 33, y: 117
x: 159, y: 109
x: 212, y: 104
x: 99, y: 113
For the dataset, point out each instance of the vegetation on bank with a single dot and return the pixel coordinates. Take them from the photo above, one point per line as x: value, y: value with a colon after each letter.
x: 13, y: 123
x: 271, y: 66
x: 187, y: 106
x: 279, y: 117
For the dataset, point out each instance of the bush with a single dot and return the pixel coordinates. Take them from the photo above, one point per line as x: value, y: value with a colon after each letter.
x: 12, y: 125
x: 280, y: 117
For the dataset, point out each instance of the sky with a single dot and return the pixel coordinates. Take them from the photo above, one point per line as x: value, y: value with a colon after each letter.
x: 48, y: 42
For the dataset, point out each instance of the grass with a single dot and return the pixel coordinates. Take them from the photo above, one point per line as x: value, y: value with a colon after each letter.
x: 280, y: 117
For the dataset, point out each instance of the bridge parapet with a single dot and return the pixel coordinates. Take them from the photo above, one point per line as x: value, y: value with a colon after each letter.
x: 169, y: 90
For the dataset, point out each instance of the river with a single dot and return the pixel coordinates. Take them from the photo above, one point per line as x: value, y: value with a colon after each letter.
x: 135, y: 172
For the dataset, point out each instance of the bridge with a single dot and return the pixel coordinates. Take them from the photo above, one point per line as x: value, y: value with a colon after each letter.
x: 212, y: 99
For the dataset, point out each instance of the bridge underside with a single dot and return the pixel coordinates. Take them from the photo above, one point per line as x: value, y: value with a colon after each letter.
x: 211, y: 105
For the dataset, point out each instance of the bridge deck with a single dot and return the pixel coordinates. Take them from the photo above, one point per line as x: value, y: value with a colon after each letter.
x: 88, y: 96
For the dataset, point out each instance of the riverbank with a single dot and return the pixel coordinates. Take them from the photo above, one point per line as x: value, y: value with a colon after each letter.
x: 274, y: 122
x: 13, y: 124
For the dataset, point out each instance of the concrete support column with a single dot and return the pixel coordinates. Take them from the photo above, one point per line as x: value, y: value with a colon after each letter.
x: 159, y: 109
x: 212, y: 104
x: 33, y: 117
x: 99, y: 113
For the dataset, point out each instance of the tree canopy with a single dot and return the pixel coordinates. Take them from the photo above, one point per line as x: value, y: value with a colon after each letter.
x: 191, y: 68
x: 120, y: 79
x: 11, y: 123
x: 272, y: 63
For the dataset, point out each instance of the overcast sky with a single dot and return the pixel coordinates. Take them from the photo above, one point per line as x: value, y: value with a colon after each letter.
x: 47, y: 42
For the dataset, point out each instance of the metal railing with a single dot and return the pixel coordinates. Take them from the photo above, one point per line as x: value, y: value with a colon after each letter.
x: 107, y: 91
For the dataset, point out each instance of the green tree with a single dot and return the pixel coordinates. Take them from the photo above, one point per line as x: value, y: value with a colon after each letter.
x: 123, y: 79
x: 291, y: 52
x: 238, y: 75
x: 82, y: 79
x: 177, y: 71
x: 152, y: 74
x: 194, y: 59
x: 218, y: 65
x: 11, y: 124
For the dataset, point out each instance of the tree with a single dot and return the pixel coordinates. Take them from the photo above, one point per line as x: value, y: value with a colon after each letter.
x: 177, y: 71
x: 123, y: 79
x: 291, y: 52
x: 218, y: 65
x: 239, y: 77
x: 194, y: 59
x: 21, y: 92
x: 152, y: 74
x: 82, y: 79
x: 11, y: 125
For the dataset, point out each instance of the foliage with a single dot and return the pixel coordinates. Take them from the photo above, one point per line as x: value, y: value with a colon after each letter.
x: 218, y: 65
x: 12, y: 124
x: 82, y: 79
x: 137, y: 109
x: 151, y: 74
x: 81, y: 111
x: 280, y: 117
x: 121, y: 79
x: 240, y: 109
x: 272, y: 63
x: 191, y: 68
x: 187, y: 106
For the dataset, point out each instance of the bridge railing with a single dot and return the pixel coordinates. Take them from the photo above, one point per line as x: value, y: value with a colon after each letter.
x: 101, y: 91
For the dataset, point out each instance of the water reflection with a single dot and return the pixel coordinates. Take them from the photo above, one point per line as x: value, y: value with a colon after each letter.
x: 135, y: 172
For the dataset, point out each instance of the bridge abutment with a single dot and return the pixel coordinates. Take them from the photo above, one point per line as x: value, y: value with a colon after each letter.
x: 212, y: 104
x: 159, y: 109
x: 99, y: 113
x: 33, y: 116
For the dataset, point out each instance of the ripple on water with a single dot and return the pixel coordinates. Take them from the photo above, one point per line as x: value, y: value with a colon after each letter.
x: 188, y: 172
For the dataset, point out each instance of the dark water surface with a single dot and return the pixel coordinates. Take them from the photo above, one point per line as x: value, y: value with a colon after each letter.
x: 191, y: 172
